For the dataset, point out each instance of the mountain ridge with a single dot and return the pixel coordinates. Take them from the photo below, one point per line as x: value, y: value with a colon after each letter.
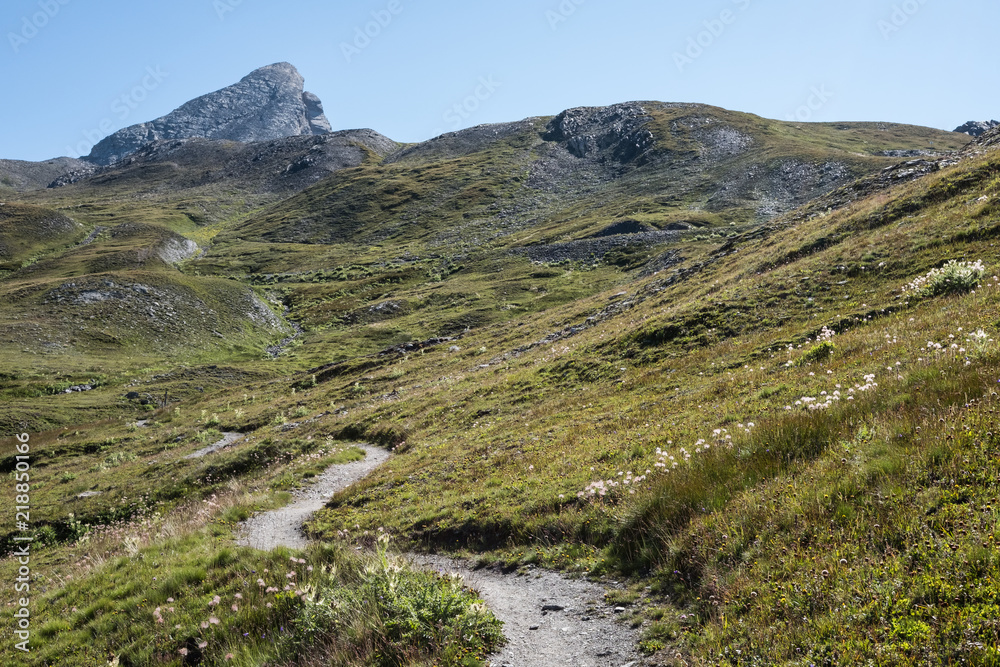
x: 564, y: 177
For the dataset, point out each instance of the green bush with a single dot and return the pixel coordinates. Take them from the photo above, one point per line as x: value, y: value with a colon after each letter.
x: 955, y: 277
x: 651, y: 646
x: 118, y: 458
x: 820, y: 352
x: 401, y: 614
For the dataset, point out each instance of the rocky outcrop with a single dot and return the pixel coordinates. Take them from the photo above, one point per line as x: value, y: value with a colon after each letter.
x: 988, y: 139
x: 267, y: 104
x: 150, y: 309
x: 616, y: 132
x: 315, y: 115
x: 977, y: 128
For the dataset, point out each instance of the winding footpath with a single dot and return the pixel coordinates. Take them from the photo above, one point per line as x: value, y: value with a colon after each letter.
x: 548, y: 619
x: 283, y: 526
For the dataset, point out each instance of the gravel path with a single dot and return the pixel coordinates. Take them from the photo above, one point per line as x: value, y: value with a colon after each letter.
x: 548, y: 619
x: 282, y: 527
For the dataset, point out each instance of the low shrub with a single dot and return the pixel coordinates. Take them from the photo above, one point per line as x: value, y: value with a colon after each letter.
x: 955, y: 277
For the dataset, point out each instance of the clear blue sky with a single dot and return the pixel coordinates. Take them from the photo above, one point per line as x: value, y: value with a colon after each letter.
x: 67, y: 63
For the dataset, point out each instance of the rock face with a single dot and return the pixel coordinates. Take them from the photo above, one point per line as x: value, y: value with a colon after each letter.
x: 988, y: 139
x: 977, y: 128
x: 267, y: 104
x: 616, y: 132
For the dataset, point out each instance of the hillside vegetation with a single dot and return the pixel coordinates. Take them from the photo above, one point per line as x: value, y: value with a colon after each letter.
x: 627, y: 354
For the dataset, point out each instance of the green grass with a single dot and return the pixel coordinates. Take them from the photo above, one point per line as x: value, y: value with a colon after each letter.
x: 28, y: 233
x: 195, y: 595
x: 555, y: 381
x: 142, y: 472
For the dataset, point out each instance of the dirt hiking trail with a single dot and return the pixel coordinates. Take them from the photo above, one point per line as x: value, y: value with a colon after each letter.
x: 549, y: 620
x: 283, y: 526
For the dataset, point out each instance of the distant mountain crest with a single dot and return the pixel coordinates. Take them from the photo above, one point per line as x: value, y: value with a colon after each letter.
x: 269, y: 103
x: 977, y: 128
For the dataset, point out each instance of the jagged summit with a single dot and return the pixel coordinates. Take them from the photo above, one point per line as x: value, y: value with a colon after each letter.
x: 269, y: 103
x: 975, y: 128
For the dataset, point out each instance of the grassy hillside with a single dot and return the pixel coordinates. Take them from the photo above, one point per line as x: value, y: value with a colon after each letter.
x: 781, y: 432
x: 29, y: 232
x: 541, y: 181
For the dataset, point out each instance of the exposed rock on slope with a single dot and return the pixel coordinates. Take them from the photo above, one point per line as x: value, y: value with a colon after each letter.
x: 977, y: 128
x: 896, y: 174
x: 462, y: 142
x: 278, y: 165
x: 269, y: 103
x: 127, y: 246
x: 985, y: 141
x: 616, y: 132
x: 21, y: 176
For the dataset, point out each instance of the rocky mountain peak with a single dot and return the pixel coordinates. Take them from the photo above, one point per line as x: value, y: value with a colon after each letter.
x: 269, y: 103
x: 976, y: 128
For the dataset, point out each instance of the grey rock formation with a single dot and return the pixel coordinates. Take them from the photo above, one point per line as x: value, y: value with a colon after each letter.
x: 616, y: 132
x: 977, y: 128
x: 988, y: 139
x: 314, y: 114
x: 269, y: 103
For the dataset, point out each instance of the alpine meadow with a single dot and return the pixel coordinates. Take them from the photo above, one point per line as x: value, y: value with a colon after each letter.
x: 275, y: 394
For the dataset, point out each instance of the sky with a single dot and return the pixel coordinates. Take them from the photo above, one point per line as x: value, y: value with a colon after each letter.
x: 75, y: 71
